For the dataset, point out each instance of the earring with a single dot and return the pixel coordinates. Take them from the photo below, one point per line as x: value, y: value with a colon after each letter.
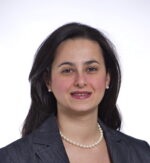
x: 107, y: 87
x: 49, y: 90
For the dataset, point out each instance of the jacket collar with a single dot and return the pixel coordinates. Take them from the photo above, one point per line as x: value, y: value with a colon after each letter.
x: 48, y: 144
x: 49, y: 147
x: 117, y: 147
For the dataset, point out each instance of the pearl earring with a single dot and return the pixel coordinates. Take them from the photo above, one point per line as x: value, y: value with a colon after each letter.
x: 49, y: 90
x: 107, y: 87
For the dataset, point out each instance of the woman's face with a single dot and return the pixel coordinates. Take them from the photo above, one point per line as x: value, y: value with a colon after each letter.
x: 78, y: 77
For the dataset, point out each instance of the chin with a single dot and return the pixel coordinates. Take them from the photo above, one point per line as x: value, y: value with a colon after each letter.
x: 83, y: 110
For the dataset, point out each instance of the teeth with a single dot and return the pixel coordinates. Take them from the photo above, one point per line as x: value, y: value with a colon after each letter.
x: 81, y: 94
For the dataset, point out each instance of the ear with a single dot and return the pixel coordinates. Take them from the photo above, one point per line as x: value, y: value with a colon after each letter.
x: 49, y: 86
x: 107, y: 80
x: 47, y: 81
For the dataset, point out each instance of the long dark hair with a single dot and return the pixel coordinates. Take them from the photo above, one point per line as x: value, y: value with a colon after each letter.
x: 43, y: 103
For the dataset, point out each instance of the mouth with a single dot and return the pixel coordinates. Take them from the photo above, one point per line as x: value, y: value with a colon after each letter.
x: 81, y: 94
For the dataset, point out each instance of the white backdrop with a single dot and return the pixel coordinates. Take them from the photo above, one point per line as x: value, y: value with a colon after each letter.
x: 24, y: 24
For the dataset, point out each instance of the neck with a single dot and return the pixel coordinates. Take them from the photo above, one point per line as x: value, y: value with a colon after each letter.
x: 82, y: 128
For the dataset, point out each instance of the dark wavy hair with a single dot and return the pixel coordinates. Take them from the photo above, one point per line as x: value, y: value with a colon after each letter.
x: 43, y: 103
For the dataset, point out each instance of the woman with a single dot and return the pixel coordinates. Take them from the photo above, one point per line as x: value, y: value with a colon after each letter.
x: 75, y: 81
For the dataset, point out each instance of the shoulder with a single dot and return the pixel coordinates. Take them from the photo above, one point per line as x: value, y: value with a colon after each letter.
x: 16, y: 150
x: 139, y: 149
x: 26, y: 149
x: 124, y: 144
x: 138, y: 144
x: 116, y: 135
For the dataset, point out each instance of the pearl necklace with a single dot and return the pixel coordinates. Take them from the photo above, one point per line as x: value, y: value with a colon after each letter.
x: 83, y: 145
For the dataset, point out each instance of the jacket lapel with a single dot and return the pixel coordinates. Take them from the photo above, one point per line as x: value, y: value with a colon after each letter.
x: 48, y: 145
x: 118, y: 149
x: 49, y: 148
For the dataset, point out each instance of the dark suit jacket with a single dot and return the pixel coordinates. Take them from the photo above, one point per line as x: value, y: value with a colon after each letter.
x: 45, y: 146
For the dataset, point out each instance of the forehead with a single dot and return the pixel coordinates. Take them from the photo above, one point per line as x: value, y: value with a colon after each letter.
x: 79, y: 49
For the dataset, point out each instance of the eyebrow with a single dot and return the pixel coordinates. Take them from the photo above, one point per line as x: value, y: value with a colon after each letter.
x: 72, y: 64
x: 91, y: 61
x: 66, y: 63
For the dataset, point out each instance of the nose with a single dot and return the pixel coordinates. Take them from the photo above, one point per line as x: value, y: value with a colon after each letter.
x: 80, y: 80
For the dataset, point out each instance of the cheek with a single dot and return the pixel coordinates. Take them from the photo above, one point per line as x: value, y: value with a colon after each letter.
x: 59, y: 85
x: 98, y: 83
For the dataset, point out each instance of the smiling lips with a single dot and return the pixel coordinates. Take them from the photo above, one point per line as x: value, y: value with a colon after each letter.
x: 81, y: 94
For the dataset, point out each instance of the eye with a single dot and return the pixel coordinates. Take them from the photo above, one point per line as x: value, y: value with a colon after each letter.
x: 67, y: 71
x: 92, y: 69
